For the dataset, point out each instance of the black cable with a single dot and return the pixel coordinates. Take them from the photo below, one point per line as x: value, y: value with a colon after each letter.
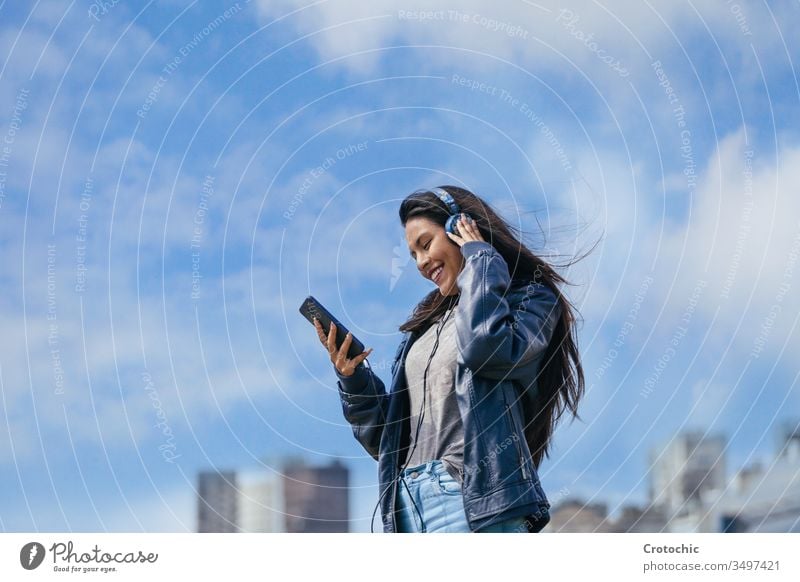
x: 420, y: 417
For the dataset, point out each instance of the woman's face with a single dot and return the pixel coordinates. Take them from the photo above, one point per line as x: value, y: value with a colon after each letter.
x: 438, y: 258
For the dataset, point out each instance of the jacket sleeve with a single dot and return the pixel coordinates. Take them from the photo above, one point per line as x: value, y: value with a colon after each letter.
x: 497, y: 338
x: 364, y: 402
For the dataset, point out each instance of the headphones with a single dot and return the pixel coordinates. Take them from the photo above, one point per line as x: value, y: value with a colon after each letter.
x: 453, y: 208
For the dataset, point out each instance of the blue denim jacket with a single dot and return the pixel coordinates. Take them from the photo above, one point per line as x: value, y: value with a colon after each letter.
x: 502, y: 331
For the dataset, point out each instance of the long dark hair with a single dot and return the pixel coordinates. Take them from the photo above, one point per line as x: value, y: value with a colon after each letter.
x: 560, y: 380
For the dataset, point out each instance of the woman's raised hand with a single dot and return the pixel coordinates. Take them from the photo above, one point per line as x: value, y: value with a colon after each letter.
x: 467, y: 228
x: 346, y: 366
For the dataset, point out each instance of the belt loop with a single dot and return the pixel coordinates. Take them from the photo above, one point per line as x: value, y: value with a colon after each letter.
x: 429, y: 466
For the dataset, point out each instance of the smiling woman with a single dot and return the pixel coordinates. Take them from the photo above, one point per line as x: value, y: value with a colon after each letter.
x: 438, y: 259
x: 487, y: 366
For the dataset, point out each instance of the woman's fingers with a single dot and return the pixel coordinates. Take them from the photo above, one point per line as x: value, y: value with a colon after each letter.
x: 361, y: 357
x: 332, y: 339
x: 350, y: 365
x: 345, y: 347
x: 339, y: 356
x: 320, y: 333
x: 325, y: 340
x: 468, y: 228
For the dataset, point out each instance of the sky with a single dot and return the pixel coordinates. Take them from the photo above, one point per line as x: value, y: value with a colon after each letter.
x: 176, y: 177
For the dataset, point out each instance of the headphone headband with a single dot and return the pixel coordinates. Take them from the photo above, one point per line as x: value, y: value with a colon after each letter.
x: 445, y: 197
x: 452, y: 207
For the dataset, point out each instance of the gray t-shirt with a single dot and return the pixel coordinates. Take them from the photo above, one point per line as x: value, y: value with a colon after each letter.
x: 441, y: 435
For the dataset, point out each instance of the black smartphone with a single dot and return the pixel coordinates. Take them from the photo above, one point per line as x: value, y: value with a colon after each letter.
x: 311, y: 308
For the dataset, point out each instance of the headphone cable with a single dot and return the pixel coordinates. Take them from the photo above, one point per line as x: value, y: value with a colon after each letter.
x: 420, y: 418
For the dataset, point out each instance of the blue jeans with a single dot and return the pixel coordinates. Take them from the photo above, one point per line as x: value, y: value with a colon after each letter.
x: 439, y: 499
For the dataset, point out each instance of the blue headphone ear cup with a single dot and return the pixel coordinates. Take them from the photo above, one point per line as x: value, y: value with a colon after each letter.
x: 450, y: 225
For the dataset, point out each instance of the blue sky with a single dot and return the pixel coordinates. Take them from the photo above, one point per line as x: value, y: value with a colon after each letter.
x: 264, y: 147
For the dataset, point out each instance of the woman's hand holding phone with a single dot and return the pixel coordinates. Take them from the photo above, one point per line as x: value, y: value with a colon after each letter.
x: 345, y: 366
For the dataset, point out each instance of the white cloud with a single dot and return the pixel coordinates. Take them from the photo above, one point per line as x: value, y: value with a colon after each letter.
x: 516, y: 31
x: 738, y: 236
x: 743, y: 237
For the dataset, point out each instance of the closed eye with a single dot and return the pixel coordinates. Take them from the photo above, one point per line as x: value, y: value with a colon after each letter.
x: 428, y: 244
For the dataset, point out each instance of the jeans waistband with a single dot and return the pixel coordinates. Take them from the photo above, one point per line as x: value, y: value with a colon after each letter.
x: 435, y: 467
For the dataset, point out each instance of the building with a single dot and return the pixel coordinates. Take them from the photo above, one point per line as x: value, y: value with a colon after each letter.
x: 316, y: 498
x: 682, y: 472
x: 293, y: 498
x: 576, y: 516
x: 260, y: 502
x: 763, y: 497
x: 634, y: 519
x: 217, y: 502
x: 689, y: 492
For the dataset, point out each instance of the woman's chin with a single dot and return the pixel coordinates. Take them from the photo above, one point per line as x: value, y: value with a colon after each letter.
x: 446, y: 289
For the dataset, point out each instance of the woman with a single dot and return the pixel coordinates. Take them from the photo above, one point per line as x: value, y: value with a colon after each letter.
x: 487, y: 365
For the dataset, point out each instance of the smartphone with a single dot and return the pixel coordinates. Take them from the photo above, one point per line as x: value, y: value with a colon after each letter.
x: 311, y: 308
